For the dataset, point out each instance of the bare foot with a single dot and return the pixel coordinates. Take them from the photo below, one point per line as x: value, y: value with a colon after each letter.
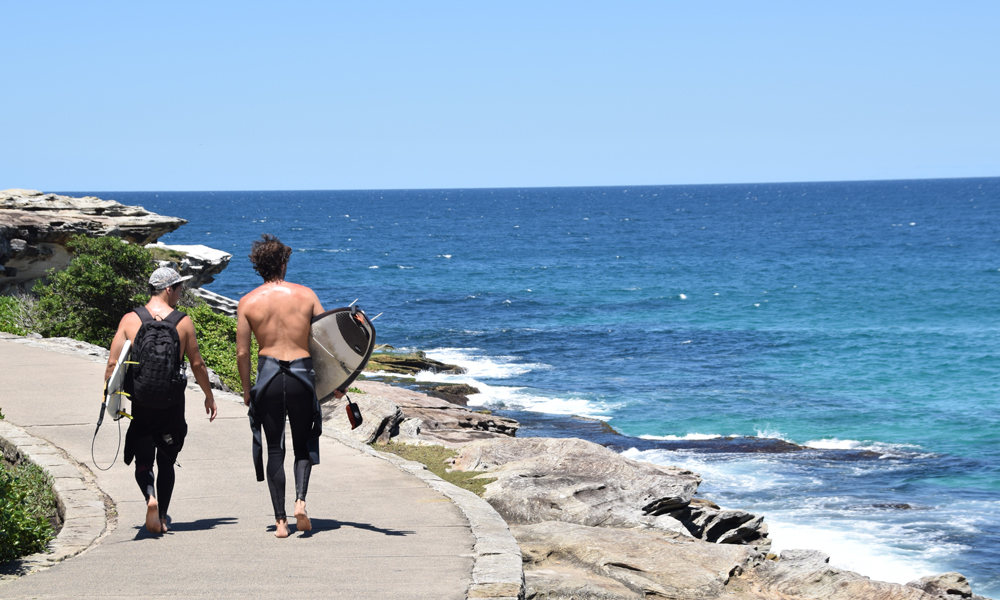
x: 153, y: 516
x: 302, y: 522
x: 163, y: 525
x: 281, y: 528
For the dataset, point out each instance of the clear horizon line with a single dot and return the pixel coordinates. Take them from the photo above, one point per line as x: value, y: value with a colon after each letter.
x: 537, y: 187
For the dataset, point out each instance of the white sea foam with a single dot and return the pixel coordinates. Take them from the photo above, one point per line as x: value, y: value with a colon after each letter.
x: 373, y: 267
x: 689, y: 436
x: 883, y: 448
x: 869, y: 542
x: 480, y: 367
x: 856, y: 545
x: 773, y: 434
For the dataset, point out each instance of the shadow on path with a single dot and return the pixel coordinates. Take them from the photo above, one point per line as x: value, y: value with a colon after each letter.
x: 321, y: 525
x: 199, y: 525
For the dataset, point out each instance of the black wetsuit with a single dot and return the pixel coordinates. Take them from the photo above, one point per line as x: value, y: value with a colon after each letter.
x: 155, y: 435
x: 285, y: 387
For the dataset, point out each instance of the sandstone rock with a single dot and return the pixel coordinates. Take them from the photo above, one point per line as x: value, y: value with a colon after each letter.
x: 441, y: 421
x: 36, y: 227
x: 567, y: 560
x: 217, y: 302
x: 409, y: 364
x: 570, y: 582
x: 456, y: 393
x: 950, y: 586
x: 380, y: 418
x: 200, y: 262
x: 215, y: 382
x: 724, y: 526
x: 806, y: 575
x: 572, y: 480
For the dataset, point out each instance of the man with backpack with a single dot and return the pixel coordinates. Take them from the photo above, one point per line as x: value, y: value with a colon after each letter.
x: 161, y: 337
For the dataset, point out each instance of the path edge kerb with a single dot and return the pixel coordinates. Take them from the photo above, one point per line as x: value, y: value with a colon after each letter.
x: 81, y: 504
x: 497, y: 571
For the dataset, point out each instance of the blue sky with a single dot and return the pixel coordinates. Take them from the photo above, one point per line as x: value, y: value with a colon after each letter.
x: 118, y: 96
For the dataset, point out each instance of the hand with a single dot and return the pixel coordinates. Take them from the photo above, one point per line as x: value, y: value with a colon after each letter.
x: 338, y: 394
x: 246, y: 398
x: 210, y: 408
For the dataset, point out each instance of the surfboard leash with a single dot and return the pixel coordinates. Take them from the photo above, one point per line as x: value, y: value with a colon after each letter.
x: 100, y: 420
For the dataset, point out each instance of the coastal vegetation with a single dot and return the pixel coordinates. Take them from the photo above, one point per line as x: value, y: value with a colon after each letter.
x: 435, y: 459
x: 107, y: 278
x: 10, y: 321
x: 28, y: 510
x: 217, y: 341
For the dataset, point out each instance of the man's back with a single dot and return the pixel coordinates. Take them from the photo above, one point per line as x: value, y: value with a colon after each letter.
x: 279, y: 313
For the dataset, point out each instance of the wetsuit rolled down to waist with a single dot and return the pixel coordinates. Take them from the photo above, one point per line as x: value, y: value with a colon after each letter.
x: 285, y: 387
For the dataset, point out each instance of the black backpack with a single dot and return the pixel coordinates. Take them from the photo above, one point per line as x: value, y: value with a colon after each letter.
x: 156, y: 351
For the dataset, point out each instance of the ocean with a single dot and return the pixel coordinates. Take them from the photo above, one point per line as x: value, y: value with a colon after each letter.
x: 707, y: 325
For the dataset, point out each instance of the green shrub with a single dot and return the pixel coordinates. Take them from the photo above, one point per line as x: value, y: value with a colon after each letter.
x: 217, y: 343
x: 27, y: 507
x: 106, y: 278
x: 8, y: 316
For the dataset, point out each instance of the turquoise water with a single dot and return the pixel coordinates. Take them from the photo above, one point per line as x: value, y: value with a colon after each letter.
x: 857, y: 319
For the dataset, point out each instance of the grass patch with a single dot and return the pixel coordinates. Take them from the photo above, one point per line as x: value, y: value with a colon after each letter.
x: 28, y: 510
x: 434, y: 457
x: 354, y: 390
x: 167, y: 254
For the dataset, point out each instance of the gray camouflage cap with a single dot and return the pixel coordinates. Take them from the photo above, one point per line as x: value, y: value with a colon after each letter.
x: 165, y: 277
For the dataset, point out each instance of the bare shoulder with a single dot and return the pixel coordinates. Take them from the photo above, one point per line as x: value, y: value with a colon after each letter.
x: 250, y: 298
x: 307, y: 292
x: 129, y: 318
x: 130, y: 322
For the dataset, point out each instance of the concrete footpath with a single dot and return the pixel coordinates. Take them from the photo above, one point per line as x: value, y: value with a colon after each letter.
x: 381, y: 529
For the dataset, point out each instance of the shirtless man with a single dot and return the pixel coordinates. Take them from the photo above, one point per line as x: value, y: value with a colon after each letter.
x: 158, y: 433
x: 278, y: 314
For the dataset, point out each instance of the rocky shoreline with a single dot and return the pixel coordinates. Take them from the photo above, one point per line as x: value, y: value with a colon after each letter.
x: 591, y: 523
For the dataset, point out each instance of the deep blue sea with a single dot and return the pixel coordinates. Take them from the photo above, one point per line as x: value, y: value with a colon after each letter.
x: 860, y: 320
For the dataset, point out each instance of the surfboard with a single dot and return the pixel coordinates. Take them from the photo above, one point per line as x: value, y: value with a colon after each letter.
x: 340, y: 342
x: 113, y: 401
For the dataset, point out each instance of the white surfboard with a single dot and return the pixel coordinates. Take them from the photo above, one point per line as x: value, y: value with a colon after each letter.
x: 340, y: 342
x: 113, y: 400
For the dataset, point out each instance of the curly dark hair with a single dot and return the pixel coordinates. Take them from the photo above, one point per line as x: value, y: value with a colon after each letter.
x: 269, y: 256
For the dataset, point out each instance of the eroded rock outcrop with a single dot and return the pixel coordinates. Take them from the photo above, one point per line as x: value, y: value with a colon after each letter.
x: 36, y: 227
x: 946, y: 586
x: 568, y: 560
x: 807, y: 575
x: 200, y: 262
x: 573, y: 480
x: 392, y: 412
x: 409, y: 363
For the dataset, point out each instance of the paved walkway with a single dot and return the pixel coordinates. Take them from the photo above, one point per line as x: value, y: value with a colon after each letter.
x: 379, y: 532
